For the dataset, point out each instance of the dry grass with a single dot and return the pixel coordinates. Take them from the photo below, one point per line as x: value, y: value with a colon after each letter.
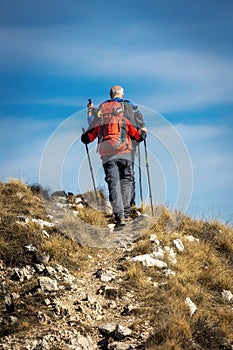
x: 202, y: 272
x: 17, y: 199
x: 93, y: 217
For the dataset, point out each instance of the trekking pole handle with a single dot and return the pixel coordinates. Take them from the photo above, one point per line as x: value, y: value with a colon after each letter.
x: 89, y: 103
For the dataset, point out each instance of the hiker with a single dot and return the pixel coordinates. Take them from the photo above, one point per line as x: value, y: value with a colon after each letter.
x: 132, y: 113
x: 115, y: 133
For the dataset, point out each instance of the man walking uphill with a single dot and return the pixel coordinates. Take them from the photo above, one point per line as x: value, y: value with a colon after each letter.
x: 115, y: 133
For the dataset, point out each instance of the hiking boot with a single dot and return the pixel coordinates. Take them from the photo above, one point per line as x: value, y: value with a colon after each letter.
x: 120, y: 222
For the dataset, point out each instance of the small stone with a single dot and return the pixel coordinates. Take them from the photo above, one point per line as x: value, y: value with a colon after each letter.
x: 42, y: 223
x: 152, y: 237
x: 227, y: 295
x: 78, y: 200
x: 31, y: 248
x: 20, y: 274
x: 191, y: 305
x: 42, y: 345
x: 107, y: 329
x: 190, y: 238
x: 13, y: 320
x: 121, y: 332
x: 105, y: 275
x: 39, y: 268
x: 171, y: 255
x: 128, y: 309
x: 47, y: 284
x: 9, y: 305
x: 45, y: 233
x: 111, y: 226
x: 179, y: 245
x: 169, y: 272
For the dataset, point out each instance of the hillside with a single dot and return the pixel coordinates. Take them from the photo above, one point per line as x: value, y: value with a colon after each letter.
x: 70, y: 281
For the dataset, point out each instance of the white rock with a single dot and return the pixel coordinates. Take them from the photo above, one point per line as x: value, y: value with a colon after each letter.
x: 45, y: 233
x: 148, y: 261
x: 121, y: 332
x: 111, y: 226
x: 190, y: 238
x: 43, y: 345
x: 169, y: 272
x: 42, y: 223
x: 31, y: 248
x: 227, y: 295
x: 191, y: 305
x: 61, y: 205
x: 158, y: 253
x: 47, y: 284
x: 13, y: 320
x: 78, y: 200
x: 171, y: 255
x: 179, y: 245
x: 24, y: 273
x: 152, y: 237
x: 107, y: 329
x: 80, y: 206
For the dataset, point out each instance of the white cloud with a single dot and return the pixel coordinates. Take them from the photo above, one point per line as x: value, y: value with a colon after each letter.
x: 190, y: 78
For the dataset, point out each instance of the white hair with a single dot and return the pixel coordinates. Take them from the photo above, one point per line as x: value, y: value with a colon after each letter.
x: 116, y: 91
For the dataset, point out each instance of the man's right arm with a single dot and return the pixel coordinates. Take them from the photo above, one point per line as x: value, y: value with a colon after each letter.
x: 91, y: 134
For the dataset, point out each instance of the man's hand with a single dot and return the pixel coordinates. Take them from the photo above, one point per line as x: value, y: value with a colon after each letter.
x: 144, y: 129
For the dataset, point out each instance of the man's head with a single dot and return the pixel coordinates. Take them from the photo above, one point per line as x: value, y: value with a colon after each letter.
x: 116, y: 91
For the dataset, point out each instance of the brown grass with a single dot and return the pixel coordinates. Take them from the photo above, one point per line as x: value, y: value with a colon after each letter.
x: 203, y: 270
x: 93, y: 217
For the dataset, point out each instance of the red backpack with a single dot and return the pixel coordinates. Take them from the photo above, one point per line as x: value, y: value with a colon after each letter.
x: 113, y: 134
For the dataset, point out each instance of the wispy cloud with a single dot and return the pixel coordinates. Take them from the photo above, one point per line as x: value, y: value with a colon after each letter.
x: 192, y: 77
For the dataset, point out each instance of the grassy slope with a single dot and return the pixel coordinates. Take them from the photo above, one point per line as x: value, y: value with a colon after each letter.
x: 202, y: 272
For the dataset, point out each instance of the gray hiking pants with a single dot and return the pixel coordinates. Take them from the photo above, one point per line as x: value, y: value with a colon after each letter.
x: 118, y: 175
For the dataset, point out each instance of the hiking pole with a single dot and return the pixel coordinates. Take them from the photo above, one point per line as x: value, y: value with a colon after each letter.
x: 148, y: 177
x: 91, y: 170
x: 140, y: 174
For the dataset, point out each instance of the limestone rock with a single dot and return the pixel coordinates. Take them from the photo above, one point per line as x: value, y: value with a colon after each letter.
x: 121, y: 332
x: 191, y: 305
x: 148, y: 261
x: 179, y: 245
x: 227, y: 295
x: 47, y: 284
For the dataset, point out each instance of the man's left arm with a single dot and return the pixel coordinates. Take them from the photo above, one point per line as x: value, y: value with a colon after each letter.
x: 136, y: 134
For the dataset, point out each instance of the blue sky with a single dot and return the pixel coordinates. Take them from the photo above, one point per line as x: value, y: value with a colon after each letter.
x: 174, y: 58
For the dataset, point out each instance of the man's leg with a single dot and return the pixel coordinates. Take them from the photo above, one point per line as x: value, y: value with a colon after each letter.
x: 133, y: 194
x: 125, y: 168
x: 112, y: 178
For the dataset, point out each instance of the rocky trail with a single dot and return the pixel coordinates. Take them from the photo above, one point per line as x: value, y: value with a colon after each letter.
x: 93, y: 310
x: 128, y: 288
